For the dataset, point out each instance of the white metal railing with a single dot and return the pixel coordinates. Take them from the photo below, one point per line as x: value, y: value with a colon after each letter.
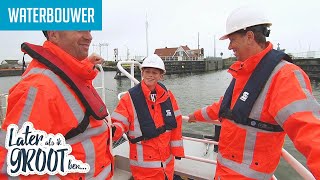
x: 131, y: 74
x: 3, y: 106
x: 102, y: 87
x: 126, y: 73
x: 296, y: 165
x: 5, y: 102
x: 103, y: 96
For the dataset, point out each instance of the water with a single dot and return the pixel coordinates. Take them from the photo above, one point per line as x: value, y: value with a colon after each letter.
x: 192, y: 92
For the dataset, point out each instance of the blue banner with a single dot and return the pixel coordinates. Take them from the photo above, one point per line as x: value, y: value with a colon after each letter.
x: 51, y: 15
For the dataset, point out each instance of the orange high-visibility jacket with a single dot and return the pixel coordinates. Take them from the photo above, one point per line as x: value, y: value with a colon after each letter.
x: 150, y: 159
x: 43, y: 98
x: 250, y: 153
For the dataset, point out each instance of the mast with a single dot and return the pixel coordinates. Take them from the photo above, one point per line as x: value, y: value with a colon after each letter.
x: 214, y: 45
x: 198, y: 42
x: 147, y: 43
x: 198, y: 47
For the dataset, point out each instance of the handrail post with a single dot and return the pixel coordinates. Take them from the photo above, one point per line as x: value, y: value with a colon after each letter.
x: 1, y: 111
x: 296, y: 165
x: 103, y: 91
x: 132, y: 73
x: 119, y: 65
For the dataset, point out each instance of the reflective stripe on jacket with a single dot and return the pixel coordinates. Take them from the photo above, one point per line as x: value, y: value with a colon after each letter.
x: 286, y: 100
x: 44, y: 99
x: 150, y: 158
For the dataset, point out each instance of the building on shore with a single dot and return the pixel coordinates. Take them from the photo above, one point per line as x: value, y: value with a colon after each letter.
x: 10, y: 64
x: 181, y: 53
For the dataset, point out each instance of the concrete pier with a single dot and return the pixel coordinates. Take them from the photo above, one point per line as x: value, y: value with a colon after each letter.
x: 310, y: 65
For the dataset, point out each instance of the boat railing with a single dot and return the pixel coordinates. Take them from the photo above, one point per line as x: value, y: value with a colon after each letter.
x: 3, y: 106
x: 126, y: 73
x: 102, y: 87
x: 296, y: 165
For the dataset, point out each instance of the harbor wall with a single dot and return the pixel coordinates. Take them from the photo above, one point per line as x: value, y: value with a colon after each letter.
x: 10, y: 72
x: 213, y: 65
x: 181, y: 67
x: 309, y: 65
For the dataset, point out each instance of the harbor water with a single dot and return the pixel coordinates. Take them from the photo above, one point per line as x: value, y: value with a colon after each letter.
x: 192, y: 92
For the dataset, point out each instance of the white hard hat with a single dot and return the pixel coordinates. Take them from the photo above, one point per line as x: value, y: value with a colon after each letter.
x: 244, y: 17
x: 153, y: 61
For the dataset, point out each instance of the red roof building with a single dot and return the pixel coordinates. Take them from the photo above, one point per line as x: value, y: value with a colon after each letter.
x: 179, y: 53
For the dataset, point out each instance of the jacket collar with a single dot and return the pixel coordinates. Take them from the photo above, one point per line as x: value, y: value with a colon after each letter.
x: 85, y: 69
x: 247, y: 66
x: 162, y: 94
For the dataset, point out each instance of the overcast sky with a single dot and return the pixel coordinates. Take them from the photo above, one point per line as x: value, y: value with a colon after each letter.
x: 177, y: 22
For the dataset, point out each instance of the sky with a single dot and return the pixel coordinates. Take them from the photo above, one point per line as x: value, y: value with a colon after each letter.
x: 172, y: 23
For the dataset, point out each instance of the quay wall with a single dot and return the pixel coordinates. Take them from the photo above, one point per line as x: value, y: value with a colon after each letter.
x: 310, y: 65
x: 181, y: 67
x: 10, y: 72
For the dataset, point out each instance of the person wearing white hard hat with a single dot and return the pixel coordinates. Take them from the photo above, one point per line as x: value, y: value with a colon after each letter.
x: 150, y: 116
x: 268, y: 98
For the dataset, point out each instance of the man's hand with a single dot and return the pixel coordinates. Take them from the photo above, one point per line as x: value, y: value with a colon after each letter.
x: 192, y: 119
x: 95, y: 59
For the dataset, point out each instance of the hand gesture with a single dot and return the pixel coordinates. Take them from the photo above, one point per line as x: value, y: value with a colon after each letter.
x: 95, y: 59
x: 192, y: 119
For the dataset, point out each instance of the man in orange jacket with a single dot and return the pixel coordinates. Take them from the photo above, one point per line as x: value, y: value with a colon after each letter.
x: 268, y: 98
x: 150, y: 116
x: 49, y: 96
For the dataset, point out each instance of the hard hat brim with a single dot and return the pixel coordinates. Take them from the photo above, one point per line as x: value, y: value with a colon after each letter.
x: 224, y: 37
x: 153, y: 67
